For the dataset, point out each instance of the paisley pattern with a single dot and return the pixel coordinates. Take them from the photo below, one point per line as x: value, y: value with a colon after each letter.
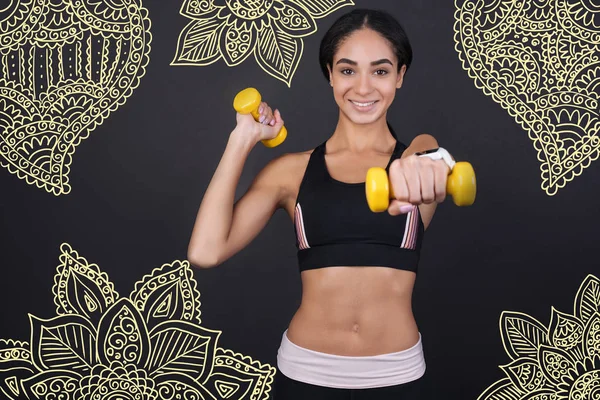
x: 540, y: 60
x: 65, y: 66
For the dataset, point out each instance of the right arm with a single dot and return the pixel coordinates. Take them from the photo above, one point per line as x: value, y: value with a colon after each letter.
x: 222, y: 227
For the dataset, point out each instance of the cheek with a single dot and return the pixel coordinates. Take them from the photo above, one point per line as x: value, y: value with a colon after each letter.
x: 389, y: 92
x: 339, y: 93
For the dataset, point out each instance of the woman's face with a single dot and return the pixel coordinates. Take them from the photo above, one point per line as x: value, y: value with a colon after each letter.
x: 365, y: 76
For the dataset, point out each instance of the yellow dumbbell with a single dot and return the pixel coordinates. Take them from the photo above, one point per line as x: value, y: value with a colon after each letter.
x: 247, y: 102
x: 461, y: 185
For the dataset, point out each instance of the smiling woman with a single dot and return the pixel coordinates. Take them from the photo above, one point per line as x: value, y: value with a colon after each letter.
x: 354, y: 333
x: 364, y: 90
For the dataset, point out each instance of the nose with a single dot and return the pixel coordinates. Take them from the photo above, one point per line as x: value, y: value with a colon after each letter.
x: 364, y: 85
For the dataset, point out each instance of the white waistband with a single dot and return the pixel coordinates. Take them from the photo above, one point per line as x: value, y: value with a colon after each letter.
x: 348, y: 372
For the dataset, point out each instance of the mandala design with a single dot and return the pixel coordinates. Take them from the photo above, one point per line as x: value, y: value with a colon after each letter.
x: 561, y: 362
x: 272, y: 30
x: 540, y: 60
x: 144, y: 347
x: 65, y: 65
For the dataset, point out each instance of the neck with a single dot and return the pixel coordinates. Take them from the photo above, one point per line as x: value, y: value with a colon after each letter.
x: 363, y: 137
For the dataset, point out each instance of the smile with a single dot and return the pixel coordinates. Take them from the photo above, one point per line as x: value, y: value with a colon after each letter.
x: 356, y: 103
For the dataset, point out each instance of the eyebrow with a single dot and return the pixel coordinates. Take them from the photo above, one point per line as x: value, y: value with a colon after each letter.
x: 374, y: 63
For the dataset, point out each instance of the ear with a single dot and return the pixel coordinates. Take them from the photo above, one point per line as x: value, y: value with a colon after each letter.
x: 400, y: 77
x: 330, y: 75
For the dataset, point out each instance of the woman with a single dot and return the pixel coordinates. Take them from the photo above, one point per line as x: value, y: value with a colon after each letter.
x: 354, y: 333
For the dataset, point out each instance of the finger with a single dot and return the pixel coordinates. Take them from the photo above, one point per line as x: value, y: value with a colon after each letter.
x: 270, y: 117
x: 441, y: 179
x: 262, y: 111
x: 398, y: 181
x: 427, y: 179
x: 398, y: 207
x: 267, y: 117
x: 411, y: 174
x: 277, y: 120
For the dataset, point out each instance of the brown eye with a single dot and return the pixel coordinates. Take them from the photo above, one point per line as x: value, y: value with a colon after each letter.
x: 381, y: 72
x: 347, y: 71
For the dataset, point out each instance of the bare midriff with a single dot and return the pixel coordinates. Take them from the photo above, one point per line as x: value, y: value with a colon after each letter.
x: 355, y: 311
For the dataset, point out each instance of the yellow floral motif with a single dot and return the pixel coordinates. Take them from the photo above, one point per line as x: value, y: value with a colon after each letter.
x: 148, y: 346
x: 272, y: 30
x: 540, y: 60
x: 561, y: 362
x: 64, y: 67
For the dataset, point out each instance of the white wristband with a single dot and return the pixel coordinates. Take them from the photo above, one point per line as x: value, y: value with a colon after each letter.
x: 440, y: 154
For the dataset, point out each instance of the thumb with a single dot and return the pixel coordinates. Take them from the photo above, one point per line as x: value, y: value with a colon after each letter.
x: 397, y: 207
x: 277, y: 122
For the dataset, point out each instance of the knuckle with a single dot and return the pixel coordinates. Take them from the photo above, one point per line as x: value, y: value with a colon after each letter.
x: 428, y: 198
x: 443, y: 168
x: 412, y: 160
x: 402, y: 196
x: 395, y: 168
x: 414, y: 198
x: 440, y: 195
x: 425, y: 160
x: 399, y: 190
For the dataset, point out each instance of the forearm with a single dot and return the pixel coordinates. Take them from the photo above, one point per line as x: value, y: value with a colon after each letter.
x: 214, y: 218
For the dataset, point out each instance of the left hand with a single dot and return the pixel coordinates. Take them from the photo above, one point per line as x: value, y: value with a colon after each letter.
x: 416, y: 180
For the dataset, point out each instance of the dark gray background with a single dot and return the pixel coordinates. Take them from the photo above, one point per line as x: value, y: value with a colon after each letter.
x: 138, y: 180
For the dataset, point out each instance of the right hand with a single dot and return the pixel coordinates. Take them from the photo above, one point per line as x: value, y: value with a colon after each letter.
x: 268, y: 126
x: 417, y: 180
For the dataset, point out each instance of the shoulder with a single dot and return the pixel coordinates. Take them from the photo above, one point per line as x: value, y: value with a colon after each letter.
x: 288, y: 162
x: 293, y: 159
x: 284, y: 174
x: 285, y: 170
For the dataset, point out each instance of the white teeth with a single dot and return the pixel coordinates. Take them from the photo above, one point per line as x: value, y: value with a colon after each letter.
x: 363, y: 104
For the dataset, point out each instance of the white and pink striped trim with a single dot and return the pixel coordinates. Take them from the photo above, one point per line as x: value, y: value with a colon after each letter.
x: 411, y: 230
x: 300, y: 232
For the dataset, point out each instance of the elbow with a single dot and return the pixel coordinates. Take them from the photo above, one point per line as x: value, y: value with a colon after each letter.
x: 202, y: 258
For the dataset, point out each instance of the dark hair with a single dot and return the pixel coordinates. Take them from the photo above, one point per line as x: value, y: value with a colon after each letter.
x: 379, y: 21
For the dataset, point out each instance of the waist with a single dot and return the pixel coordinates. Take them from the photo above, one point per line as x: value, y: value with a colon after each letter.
x: 358, y: 254
x: 365, y: 309
x: 367, y: 334
x: 350, y: 372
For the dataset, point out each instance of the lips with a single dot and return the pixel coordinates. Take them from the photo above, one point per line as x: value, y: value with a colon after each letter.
x: 364, y: 106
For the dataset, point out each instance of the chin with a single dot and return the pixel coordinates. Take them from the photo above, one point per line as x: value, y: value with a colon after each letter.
x: 364, y: 119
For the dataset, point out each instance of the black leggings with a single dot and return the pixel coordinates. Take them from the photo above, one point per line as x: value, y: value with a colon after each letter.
x: 289, y: 389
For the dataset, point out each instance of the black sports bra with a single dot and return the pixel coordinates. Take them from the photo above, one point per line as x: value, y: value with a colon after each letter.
x: 335, y: 227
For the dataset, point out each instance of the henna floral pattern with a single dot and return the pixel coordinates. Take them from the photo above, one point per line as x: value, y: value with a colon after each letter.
x: 272, y: 30
x: 560, y: 362
x: 147, y: 346
x: 65, y: 66
x: 540, y: 60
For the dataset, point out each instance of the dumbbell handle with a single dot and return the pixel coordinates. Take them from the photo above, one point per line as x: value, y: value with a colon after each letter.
x: 247, y: 102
